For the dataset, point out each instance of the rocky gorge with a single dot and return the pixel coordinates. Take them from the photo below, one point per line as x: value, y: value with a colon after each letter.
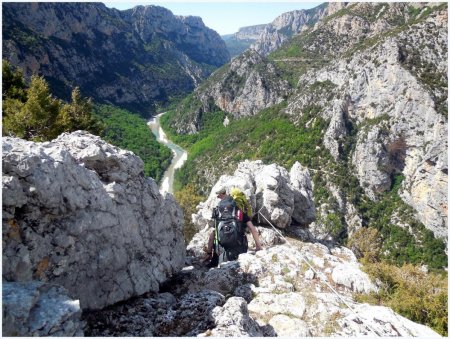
x: 374, y: 76
x: 83, y: 230
x: 333, y: 125
x: 135, y: 59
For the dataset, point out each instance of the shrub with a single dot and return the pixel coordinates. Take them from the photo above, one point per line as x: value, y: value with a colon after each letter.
x: 410, y: 291
x: 366, y: 244
x: 188, y: 200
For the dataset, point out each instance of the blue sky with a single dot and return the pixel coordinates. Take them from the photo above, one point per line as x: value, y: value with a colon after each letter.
x: 225, y: 18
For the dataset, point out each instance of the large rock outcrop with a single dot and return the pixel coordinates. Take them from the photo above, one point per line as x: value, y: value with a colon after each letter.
x: 37, y: 309
x: 281, y: 197
x: 133, y: 59
x: 79, y: 212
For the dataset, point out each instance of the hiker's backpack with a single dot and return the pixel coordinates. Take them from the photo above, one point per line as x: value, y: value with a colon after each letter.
x: 229, y: 230
x: 241, y: 201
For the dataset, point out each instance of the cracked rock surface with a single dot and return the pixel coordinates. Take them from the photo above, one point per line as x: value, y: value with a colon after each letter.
x: 79, y: 213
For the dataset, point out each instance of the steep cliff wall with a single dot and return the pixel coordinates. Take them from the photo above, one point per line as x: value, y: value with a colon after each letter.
x: 288, y: 24
x: 397, y: 114
x: 134, y: 59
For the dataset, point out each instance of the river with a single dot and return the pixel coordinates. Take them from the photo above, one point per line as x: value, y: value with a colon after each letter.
x: 179, y: 154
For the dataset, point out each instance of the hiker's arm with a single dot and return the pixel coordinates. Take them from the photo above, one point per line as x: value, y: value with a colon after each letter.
x: 255, y: 235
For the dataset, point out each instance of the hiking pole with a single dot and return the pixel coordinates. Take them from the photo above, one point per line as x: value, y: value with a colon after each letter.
x: 215, y: 255
x: 216, y: 238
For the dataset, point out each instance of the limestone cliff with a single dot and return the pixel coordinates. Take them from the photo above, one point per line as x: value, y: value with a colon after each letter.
x: 375, y: 74
x: 79, y: 212
x: 133, y: 59
x: 243, y: 39
x: 289, y: 24
x: 399, y: 117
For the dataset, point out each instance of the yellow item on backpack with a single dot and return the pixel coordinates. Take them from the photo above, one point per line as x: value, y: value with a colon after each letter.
x: 241, y: 201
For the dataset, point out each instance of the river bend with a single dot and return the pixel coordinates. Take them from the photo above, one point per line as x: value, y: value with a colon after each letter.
x: 179, y: 154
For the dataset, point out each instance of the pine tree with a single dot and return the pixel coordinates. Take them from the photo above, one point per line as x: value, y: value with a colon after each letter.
x: 78, y: 115
x: 33, y: 113
x: 39, y: 113
x: 13, y: 83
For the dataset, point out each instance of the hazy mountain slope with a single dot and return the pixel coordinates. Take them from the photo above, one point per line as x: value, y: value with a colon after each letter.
x: 243, y: 39
x: 289, y: 24
x: 134, y: 59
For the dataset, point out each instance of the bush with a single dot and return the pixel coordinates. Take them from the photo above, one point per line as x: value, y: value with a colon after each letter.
x: 188, y: 200
x: 366, y: 244
x: 410, y: 291
x: 34, y: 114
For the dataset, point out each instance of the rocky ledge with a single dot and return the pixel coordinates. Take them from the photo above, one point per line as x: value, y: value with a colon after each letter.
x: 282, y: 290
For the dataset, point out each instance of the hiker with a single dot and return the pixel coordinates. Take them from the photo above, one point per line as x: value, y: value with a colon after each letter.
x: 240, y: 244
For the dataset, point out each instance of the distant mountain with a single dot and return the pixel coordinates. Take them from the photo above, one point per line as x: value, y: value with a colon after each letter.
x: 288, y: 24
x: 243, y: 39
x: 135, y: 59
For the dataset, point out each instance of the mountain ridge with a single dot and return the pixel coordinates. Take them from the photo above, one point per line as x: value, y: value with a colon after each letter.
x: 371, y: 108
x: 136, y: 59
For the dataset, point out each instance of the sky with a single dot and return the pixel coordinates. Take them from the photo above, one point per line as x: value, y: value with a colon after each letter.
x: 224, y: 18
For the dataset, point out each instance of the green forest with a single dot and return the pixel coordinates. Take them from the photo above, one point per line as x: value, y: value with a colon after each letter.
x: 31, y: 112
x: 130, y: 131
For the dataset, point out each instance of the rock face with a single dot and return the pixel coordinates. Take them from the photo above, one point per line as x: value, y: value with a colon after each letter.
x: 133, y: 59
x: 281, y: 197
x: 79, y: 212
x: 279, y: 291
x: 38, y: 309
x: 285, y: 26
x: 399, y: 116
x: 243, y: 39
x: 247, y: 85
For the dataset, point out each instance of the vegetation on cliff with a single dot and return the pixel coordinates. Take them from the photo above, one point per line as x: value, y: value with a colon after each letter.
x: 130, y: 131
x: 33, y: 113
x: 408, y: 289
